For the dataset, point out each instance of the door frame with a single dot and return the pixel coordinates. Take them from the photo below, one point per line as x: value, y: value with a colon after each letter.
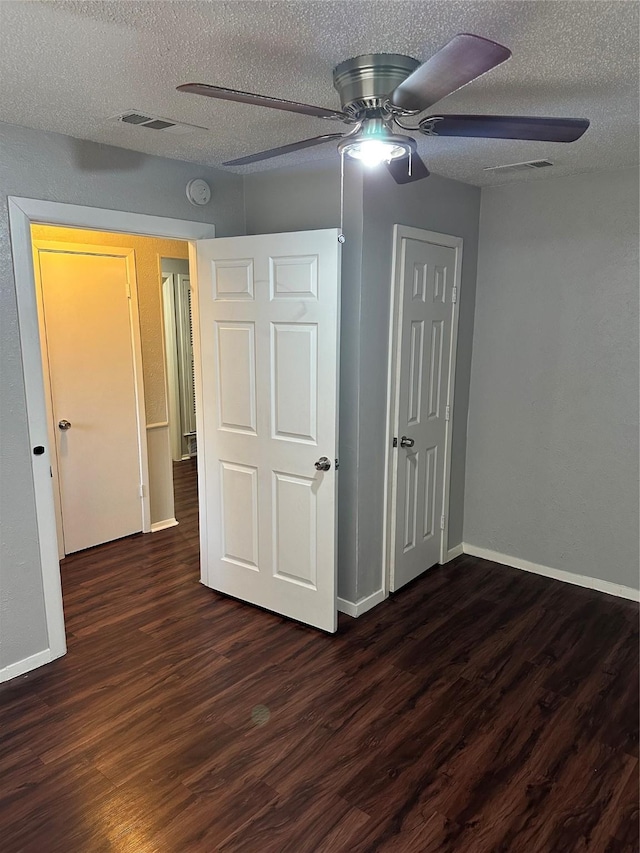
x: 171, y: 363
x: 400, y: 233
x: 128, y: 255
x: 22, y: 213
x: 168, y: 279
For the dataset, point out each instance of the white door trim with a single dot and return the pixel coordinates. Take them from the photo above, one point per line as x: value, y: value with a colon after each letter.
x: 401, y: 232
x: 197, y: 381
x: 23, y: 212
x: 171, y: 364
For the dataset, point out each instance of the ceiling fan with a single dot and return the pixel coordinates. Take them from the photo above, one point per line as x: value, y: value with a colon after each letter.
x: 380, y: 90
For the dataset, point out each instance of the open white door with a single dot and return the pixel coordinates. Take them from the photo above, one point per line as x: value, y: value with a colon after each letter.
x: 267, y: 394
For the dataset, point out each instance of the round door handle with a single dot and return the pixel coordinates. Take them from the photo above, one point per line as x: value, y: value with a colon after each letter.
x: 64, y: 425
x: 323, y: 464
x: 406, y: 442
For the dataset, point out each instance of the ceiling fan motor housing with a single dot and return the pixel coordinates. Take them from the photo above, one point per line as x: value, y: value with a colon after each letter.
x: 364, y: 82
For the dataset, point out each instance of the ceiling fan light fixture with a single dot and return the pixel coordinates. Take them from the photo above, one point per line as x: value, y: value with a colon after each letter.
x: 374, y: 152
x: 373, y: 146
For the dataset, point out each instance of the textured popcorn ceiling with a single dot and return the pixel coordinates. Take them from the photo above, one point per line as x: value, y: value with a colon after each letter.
x: 69, y: 66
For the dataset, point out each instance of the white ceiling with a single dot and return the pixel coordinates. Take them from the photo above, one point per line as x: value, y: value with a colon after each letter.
x: 68, y: 66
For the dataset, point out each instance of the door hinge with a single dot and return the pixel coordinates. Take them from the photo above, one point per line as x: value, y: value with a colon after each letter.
x: 395, y: 442
x: 443, y: 522
x: 337, y: 464
x: 128, y: 289
x: 141, y: 490
x: 454, y: 294
x: 447, y: 413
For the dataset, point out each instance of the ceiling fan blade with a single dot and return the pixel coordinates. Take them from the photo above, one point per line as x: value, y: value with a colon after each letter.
x: 459, y: 62
x: 259, y: 100
x: 283, y: 149
x: 399, y: 169
x: 506, y: 127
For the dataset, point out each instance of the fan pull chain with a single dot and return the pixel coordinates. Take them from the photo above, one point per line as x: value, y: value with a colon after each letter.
x: 341, y: 237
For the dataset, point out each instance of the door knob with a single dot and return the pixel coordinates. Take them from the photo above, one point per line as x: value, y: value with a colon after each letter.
x: 406, y: 442
x: 64, y: 425
x: 323, y: 464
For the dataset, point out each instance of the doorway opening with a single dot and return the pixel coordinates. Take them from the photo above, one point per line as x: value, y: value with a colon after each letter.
x: 180, y: 374
x: 107, y: 347
x: 23, y: 213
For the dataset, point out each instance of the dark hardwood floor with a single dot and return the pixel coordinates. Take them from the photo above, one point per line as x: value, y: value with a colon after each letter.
x: 480, y: 709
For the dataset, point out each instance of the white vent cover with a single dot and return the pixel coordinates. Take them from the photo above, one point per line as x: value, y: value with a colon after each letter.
x: 519, y: 167
x: 167, y: 125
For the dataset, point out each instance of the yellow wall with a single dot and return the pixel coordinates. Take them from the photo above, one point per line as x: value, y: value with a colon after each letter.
x: 148, y: 251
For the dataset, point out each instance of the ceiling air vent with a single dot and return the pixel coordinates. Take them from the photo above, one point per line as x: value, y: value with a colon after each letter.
x: 519, y: 167
x: 155, y: 122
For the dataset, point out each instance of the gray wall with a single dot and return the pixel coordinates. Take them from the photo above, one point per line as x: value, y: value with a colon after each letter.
x: 552, y: 470
x: 287, y: 200
x: 297, y: 199
x: 175, y: 265
x: 53, y: 167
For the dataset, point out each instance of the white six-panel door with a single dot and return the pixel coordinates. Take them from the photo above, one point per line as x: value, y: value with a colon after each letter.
x: 268, y: 316
x: 90, y: 360
x: 425, y: 321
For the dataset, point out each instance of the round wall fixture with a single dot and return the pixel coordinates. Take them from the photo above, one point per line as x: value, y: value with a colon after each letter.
x: 198, y: 191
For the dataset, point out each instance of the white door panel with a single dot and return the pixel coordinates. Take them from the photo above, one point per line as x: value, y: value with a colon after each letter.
x: 90, y: 360
x: 424, y: 355
x: 268, y: 309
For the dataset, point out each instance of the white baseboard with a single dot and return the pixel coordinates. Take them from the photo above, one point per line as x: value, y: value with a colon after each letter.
x: 357, y: 608
x: 162, y: 525
x: 607, y: 587
x: 25, y: 665
x: 452, y: 553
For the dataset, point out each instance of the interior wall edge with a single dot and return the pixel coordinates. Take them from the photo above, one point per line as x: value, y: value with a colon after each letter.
x: 22, y: 667
x: 363, y: 605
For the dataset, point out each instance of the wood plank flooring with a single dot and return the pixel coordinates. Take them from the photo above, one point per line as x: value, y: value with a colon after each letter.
x: 480, y: 709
